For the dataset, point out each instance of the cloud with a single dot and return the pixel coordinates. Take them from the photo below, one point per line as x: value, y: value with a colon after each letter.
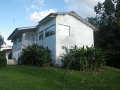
x: 41, y: 2
x: 34, y: 6
x: 85, y: 8
x: 37, y: 16
x: 27, y: 9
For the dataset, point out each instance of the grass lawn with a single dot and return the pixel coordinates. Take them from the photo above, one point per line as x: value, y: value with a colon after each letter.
x: 36, y: 78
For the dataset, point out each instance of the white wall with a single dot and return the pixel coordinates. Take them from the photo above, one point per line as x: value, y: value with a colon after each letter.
x: 25, y: 43
x: 48, y: 41
x: 80, y: 34
x: 16, y: 50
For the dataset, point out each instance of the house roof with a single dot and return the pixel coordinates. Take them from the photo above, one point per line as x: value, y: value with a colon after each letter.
x: 72, y: 13
x: 46, y: 19
x: 6, y: 48
x: 20, y: 30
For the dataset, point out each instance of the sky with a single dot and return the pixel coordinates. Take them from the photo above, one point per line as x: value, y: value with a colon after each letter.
x: 25, y: 13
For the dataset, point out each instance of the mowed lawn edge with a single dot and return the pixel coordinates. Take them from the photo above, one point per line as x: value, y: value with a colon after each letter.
x: 50, y: 78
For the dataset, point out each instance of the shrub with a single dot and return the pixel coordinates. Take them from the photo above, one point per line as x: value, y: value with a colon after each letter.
x: 36, y: 55
x: 3, y: 60
x: 84, y: 59
x: 113, y: 58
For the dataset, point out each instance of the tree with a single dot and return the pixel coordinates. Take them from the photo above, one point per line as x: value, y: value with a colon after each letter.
x: 3, y: 60
x: 1, y: 41
x: 108, y: 22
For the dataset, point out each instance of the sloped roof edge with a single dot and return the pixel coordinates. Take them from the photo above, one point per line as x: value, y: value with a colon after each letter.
x: 72, y: 13
x: 21, y: 28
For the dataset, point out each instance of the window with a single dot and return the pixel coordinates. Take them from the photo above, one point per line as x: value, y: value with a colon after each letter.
x: 14, y: 41
x: 27, y: 36
x: 63, y: 47
x: 36, y: 37
x: 30, y: 37
x: 63, y: 30
x: 19, y: 38
x: 41, y: 35
x: 50, y: 31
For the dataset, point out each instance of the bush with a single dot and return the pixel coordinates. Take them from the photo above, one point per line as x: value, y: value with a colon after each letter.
x: 36, y: 55
x: 84, y: 59
x: 113, y: 58
x: 3, y: 60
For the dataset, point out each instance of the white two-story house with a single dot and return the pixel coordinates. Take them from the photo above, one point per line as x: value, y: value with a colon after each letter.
x: 56, y: 31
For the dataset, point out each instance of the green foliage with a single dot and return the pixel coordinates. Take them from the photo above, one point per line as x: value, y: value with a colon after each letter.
x: 84, y: 59
x: 113, y: 58
x: 107, y: 20
x: 36, y: 55
x: 3, y: 61
x: 1, y: 41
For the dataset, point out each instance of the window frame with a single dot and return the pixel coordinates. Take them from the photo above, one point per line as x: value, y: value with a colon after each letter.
x: 63, y: 33
x: 30, y: 37
x: 48, y: 31
x: 37, y: 37
x: 20, y: 38
x: 41, y: 35
x: 15, y: 41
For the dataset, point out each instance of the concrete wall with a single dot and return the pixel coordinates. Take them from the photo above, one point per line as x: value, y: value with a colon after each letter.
x: 79, y: 34
x: 48, y: 41
x: 6, y: 50
x: 25, y: 42
x: 16, y: 50
x: 12, y: 62
x: 7, y: 54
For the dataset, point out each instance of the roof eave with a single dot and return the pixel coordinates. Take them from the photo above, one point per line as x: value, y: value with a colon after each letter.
x: 21, y: 28
x: 84, y: 21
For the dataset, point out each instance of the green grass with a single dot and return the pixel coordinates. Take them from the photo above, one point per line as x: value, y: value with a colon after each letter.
x: 36, y: 78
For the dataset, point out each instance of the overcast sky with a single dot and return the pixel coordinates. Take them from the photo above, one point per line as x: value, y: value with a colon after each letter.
x: 23, y: 13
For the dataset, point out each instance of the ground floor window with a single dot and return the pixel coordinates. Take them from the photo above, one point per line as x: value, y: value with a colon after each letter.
x: 10, y: 55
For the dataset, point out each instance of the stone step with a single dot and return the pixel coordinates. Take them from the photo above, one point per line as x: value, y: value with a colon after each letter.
x: 11, y: 62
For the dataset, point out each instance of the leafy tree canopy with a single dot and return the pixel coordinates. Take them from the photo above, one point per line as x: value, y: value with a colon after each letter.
x: 107, y: 20
x: 1, y: 41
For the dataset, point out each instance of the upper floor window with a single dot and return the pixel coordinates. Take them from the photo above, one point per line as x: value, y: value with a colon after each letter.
x: 19, y: 38
x: 37, y: 37
x: 30, y: 37
x: 41, y: 35
x: 14, y: 41
x: 63, y: 29
x: 50, y: 31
